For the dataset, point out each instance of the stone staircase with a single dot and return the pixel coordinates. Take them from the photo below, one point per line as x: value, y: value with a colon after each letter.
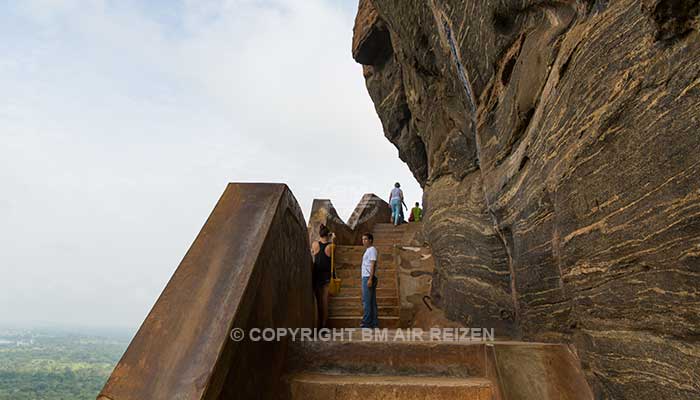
x: 248, y: 269
x: 359, y: 369
x: 378, y: 366
x: 432, y: 369
x: 388, y: 234
x: 312, y: 386
x: 345, y: 309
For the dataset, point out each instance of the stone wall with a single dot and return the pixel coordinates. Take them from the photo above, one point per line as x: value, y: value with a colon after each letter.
x: 558, y: 145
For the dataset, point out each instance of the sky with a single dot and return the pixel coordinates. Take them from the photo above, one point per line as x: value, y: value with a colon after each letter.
x: 121, y: 122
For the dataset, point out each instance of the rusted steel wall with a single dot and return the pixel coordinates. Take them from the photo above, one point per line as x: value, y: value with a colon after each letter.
x: 369, y: 211
x: 249, y: 267
x: 323, y: 212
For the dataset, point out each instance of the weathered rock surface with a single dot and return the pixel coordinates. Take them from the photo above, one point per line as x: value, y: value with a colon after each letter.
x: 415, y: 269
x: 558, y: 145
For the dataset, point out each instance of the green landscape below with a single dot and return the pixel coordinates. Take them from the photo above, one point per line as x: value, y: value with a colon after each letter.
x: 50, y: 364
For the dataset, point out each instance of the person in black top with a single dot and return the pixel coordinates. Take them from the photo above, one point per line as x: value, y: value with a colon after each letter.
x: 321, y: 251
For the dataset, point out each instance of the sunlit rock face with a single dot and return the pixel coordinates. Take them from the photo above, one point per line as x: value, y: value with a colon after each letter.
x: 558, y: 145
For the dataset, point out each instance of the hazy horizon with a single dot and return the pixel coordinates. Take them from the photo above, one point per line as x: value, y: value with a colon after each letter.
x: 122, y: 123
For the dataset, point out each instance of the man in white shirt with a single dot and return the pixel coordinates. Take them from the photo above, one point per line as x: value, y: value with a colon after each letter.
x: 370, y: 317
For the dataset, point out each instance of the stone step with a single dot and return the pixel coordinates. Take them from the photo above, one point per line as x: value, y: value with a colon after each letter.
x: 356, y: 282
x: 356, y: 313
x: 382, y: 291
x: 515, y: 369
x: 357, y: 261
x: 390, y: 322
x: 317, y: 386
x: 382, y: 273
x: 357, y: 266
x: 380, y: 235
x: 388, y: 231
x: 358, y: 251
x: 389, y: 227
x: 346, y: 298
x: 358, y: 248
x: 382, y: 352
x: 387, y: 235
x: 389, y: 241
x: 355, y: 310
x: 356, y: 258
x: 387, y: 263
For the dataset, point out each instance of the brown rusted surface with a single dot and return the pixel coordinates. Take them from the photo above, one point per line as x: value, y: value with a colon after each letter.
x: 371, y: 210
x: 248, y: 267
x: 323, y: 212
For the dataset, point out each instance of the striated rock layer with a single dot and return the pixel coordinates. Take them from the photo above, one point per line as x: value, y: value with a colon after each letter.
x: 558, y: 145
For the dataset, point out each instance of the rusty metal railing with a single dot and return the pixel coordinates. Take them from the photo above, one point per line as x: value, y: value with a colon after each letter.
x: 249, y: 267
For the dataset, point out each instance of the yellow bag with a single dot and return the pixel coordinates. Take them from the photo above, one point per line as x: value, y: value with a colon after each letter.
x: 334, y: 286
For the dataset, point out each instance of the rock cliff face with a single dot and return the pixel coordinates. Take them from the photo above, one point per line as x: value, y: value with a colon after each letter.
x: 558, y: 145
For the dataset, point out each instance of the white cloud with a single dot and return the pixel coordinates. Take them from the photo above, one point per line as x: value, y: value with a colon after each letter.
x: 121, y: 124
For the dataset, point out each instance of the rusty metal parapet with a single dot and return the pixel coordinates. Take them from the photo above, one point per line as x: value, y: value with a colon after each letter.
x: 248, y: 267
x: 369, y: 211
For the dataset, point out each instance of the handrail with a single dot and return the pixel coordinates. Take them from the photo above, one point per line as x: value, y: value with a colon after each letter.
x: 249, y: 267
